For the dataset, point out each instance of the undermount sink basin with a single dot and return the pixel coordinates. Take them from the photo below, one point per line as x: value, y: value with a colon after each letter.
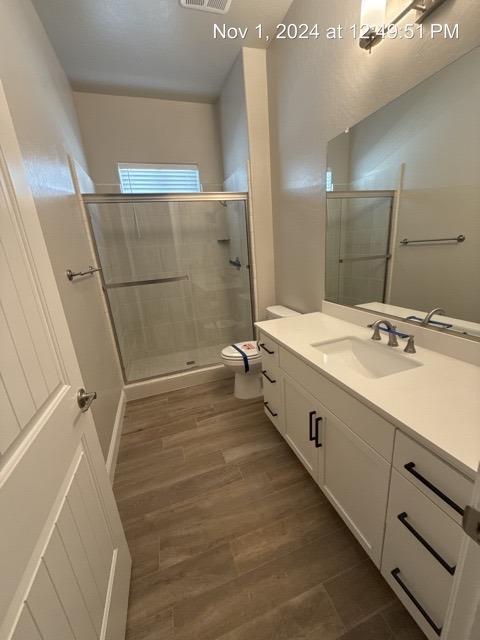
x: 369, y: 359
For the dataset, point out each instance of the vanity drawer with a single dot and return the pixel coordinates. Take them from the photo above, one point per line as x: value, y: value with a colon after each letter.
x: 367, y: 424
x: 272, y: 395
x: 444, y: 485
x: 269, y: 350
x: 420, y: 552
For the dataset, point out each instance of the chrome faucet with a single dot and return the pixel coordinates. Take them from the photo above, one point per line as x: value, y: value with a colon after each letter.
x: 439, y: 311
x: 392, y: 336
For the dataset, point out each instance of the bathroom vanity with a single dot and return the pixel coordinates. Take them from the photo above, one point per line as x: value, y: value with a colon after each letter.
x: 391, y: 438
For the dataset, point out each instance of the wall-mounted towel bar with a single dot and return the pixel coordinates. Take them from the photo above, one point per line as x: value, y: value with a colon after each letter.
x: 77, y: 274
x: 460, y: 238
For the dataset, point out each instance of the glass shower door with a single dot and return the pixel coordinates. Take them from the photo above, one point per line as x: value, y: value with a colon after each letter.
x: 357, y: 247
x: 176, y: 277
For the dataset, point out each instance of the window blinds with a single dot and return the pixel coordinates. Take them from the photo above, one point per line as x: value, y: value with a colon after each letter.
x: 159, y: 178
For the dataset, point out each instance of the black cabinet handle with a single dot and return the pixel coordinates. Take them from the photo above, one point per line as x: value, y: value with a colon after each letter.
x: 396, y: 576
x: 272, y: 413
x: 311, y: 435
x: 318, y: 444
x: 265, y: 375
x: 262, y: 346
x: 403, y: 519
x: 313, y: 432
x: 410, y: 467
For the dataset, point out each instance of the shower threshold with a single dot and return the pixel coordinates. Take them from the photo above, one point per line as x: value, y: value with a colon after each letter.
x: 169, y: 363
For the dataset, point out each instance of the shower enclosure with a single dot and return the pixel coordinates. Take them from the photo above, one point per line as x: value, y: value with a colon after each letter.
x: 176, y: 276
x: 358, y: 246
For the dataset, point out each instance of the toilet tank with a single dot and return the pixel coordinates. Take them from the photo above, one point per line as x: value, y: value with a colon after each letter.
x: 280, y: 312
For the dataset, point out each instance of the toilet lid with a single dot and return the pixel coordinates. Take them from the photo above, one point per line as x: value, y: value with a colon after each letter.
x: 250, y: 348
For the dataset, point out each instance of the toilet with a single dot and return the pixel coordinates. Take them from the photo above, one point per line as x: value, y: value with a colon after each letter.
x: 245, y: 360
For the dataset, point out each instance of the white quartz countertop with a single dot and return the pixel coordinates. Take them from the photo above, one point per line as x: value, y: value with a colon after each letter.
x: 437, y: 403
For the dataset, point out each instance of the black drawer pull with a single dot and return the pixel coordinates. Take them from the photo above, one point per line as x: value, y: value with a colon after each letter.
x: 265, y: 375
x: 410, y: 467
x: 396, y: 576
x: 403, y: 519
x: 318, y: 444
x: 311, y: 435
x: 262, y: 346
x: 272, y: 413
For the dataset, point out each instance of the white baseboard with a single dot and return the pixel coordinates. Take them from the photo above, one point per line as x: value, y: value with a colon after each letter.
x: 183, y: 380
x: 116, y: 435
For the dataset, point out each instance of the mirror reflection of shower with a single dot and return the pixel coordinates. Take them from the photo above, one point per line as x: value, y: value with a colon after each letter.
x: 358, y: 246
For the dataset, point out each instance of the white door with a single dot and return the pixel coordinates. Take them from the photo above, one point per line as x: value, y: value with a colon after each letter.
x: 64, y: 560
x: 463, y: 615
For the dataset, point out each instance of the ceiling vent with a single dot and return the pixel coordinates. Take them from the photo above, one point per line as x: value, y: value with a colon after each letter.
x: 213, y: 6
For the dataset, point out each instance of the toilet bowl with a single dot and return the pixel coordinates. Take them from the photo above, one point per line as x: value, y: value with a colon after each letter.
x: 245, y: 361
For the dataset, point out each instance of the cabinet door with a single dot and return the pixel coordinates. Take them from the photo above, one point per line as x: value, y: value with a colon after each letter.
x: 356, y: 481
x: 304, y: 427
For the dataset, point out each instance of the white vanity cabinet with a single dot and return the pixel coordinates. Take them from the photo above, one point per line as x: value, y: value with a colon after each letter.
x: 345, y: 446
x: 356, y: 480
x: 423, y: 534
x: 402, y: 501
x: 304, y: 426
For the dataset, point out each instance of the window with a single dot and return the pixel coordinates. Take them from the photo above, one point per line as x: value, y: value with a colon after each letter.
x: 159, y: 178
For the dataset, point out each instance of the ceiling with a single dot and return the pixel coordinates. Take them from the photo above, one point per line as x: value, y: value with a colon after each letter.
x: 151, y: 47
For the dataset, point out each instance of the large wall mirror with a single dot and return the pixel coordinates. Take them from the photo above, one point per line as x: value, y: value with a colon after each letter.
x: 403, y: 205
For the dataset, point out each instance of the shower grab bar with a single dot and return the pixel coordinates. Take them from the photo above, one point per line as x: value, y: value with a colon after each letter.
x: 356, y: 258
x: 136, y: 283
x: 460, y: 238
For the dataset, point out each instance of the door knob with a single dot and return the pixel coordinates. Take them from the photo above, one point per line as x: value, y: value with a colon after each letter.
x: 85, y: 399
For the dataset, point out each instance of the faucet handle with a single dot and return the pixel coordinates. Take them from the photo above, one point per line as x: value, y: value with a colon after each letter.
x: 410, y: 348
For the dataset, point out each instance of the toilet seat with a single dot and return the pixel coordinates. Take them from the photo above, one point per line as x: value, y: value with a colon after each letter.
x: 249, y: 347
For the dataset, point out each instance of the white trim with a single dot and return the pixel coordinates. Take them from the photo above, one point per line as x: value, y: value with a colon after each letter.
x: 116, y: 435
x: 148, y: 388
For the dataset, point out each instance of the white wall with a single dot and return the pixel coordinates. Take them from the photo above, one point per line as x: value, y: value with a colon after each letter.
x: 232, y: 110
x: 317, y: 88
x: 130, y: 129
x: 42, y: 108
x: 434, y: 130
x: 244, y: 122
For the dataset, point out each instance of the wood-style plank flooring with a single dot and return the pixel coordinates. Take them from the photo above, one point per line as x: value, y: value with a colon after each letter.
x: 230, y: 537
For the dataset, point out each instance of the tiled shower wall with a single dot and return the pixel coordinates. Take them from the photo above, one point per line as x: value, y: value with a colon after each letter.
x: 190, y: 319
